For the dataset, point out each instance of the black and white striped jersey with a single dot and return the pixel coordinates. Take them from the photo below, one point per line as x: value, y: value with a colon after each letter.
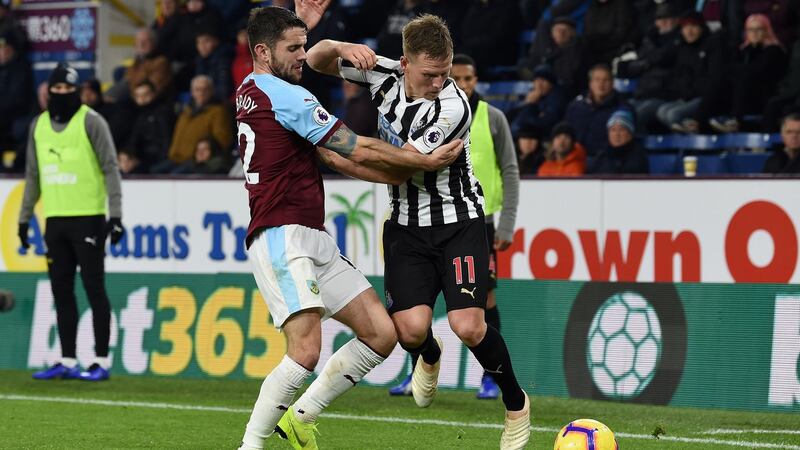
x: 428, y: 198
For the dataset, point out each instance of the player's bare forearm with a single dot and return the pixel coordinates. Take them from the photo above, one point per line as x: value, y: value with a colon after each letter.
x: 323, y: 57
x: 383, y: 156
x: 355, y: 170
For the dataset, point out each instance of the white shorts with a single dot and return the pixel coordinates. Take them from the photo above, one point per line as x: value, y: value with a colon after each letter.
x: 298, y: 268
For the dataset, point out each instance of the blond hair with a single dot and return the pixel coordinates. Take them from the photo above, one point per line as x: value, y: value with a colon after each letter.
x: 428, y: 35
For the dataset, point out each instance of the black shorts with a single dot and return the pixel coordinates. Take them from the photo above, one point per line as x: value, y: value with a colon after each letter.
x: 492, y: 257
x: 420, y: 262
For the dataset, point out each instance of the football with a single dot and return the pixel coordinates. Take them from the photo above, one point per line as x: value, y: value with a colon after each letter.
x: 585, y: 434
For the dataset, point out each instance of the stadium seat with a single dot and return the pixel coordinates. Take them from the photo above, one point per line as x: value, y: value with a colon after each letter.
x: 750, y: 140
x: 504, y: 94
x: 664, y: 163
x: 712, y: 164
x: 747, y: 162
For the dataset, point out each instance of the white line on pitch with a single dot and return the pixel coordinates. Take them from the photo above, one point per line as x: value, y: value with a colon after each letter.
x: 734, y: 431
x: 157, y: 405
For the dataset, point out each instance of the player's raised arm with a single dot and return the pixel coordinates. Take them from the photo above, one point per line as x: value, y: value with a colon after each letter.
x: 323, y: 57
x: 383, y: 156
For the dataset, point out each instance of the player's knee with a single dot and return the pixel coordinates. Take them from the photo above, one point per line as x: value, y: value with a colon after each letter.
x: 382, y: 337
x: 410, y: 337
x: 470, y: 332
x: 304, y: 352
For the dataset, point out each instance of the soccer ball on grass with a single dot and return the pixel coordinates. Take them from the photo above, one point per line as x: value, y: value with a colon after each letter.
x: 585, y: 434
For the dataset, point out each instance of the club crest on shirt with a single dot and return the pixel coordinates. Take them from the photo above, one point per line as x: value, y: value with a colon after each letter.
x: 321, y: 117
x: 313, y: 287
x: 433, y: 136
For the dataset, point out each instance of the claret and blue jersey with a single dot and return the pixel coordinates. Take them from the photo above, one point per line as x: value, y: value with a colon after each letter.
x: 279, y: 125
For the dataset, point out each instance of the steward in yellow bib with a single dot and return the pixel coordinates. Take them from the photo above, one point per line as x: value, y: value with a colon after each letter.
x: 72, y: 165
x: 495, y: 164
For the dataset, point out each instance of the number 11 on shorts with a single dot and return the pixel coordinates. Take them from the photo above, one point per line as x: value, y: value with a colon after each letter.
x: 470, y: 261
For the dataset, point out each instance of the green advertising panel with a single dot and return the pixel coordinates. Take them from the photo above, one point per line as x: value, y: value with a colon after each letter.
x: 731, y: 346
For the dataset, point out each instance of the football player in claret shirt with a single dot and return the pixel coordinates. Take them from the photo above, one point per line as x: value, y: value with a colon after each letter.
x: 435, y: 239
x: 298, y: 268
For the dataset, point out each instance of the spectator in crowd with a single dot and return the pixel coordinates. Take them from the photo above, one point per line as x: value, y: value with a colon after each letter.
x: 560, y: 47
x: 42, y: 98
x: 208, y: 159
x: 213, y: 59
x: 608, y: 25
x: 331, y: 25
x: 200, y: 16
x: 203, y: 116
x: 784, y: 15
x: 242, y: 63
x: 390, y: 38
x: 786, y: 160
x: 129, y: 163
x: 148, y: 64
x: 530, y: 155
x: 9, y: 25
x: 622, y: 154
x: 589, y: 113
x: 152, y: 128
x: 360, y: 114
x: 452, y: 11
x: 543, y: 107
x: 490, y: 33
x: 565, y: 157
x: 16, y: 91
x: 752, y: 79
x: 652, y: 66
x: 167, y: 27
x: 697, y: 52
x: 788, y: 97
x: 118, y: 115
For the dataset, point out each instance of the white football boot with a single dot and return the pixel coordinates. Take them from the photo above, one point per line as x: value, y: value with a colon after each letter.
x: 425, y: 379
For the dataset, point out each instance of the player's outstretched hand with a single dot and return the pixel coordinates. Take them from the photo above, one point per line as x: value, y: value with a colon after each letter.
x: 444, y: 155
x: 362, y: 57
x: 311, y: 11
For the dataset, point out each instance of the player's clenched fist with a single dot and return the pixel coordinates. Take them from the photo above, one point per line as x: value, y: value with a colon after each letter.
x: 444, y: 155
x: 362, y: 57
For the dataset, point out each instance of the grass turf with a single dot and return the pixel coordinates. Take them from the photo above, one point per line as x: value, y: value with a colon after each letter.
x: 32, y: 420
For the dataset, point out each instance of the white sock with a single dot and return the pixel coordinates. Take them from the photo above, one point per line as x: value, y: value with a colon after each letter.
x: 104, y: 362
x: 69, y: 363
x: 345, y: 368
x: 277, y: 392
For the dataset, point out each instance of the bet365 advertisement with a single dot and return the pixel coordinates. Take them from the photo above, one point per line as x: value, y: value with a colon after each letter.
x: 709, y: 345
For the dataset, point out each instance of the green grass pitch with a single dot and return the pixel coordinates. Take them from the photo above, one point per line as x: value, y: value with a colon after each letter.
x: 151, y: 412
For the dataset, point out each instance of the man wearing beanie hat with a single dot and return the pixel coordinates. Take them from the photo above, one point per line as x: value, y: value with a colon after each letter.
x: 622, y: 155
x: 72, y: 165
x: 565, y: 157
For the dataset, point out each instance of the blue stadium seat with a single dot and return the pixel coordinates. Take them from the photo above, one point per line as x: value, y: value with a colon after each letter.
x: 711, y: 164
x: 664, y: 163
x: 504, y: 94
x: 747, y: 162
x: 750, y: 140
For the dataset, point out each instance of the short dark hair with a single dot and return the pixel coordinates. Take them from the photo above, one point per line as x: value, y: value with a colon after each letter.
x: 600, y: 66
x: 464, y: 60
x: 147, y: 83
x: 266, y: 25
x: 793, y: 117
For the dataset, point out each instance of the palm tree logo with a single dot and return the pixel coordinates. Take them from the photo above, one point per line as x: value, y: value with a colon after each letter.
x: 353, y: 218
